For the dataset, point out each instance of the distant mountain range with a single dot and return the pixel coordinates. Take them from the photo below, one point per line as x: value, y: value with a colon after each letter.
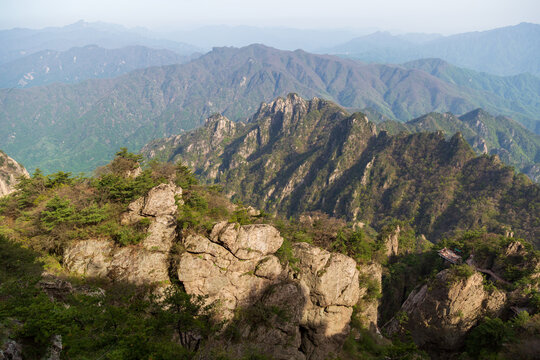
x: 279, y: 37
x: 295, y: 155
x: 17, y: 43
x: 82, y: 63
x: 508, y: 50
x: 76, y: 127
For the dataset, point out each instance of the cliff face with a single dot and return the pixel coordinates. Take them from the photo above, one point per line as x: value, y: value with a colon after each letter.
x: 10, y: 171
x: 439, y: 314
x: 296, y: 155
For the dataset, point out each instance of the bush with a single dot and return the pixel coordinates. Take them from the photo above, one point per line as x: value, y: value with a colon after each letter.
x: 488, y: 337
x: 57, y: 211
x: 184, y: 177
x: 460, y: 272
x: 123, y: 235
x: 285, y: 254
x: 356, y: 245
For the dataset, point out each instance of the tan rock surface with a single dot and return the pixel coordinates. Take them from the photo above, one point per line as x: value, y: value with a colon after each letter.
x: 143, y: 264
x: 10, y: 171
x: 441, y: 312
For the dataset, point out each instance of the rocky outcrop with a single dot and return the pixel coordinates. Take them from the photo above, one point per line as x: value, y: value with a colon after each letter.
x: 233, y: 267
x: 330, y: 284
x: 55, y: 349
x: 142, y: 264
x: 439, y: 314
x: 10, y: 172
x: 159, y: 205
x: 308, y: 305
x: 370, y: 289
x: 11, y: 350
x: 391, y: 242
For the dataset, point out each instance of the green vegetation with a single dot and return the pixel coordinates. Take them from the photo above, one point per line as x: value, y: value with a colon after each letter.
x: 87, y: 122
x: 121, y: 322
x: 364, y: 344
x: 460, y: 272
x: 50, y: 211
x: 436, y: 185
x: 500, y: 135
x: 128, y: 322
x: 514, y: 338
x: 491, y: 252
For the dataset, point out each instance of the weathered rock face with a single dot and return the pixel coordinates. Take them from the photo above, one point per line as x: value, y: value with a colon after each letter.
x: 147, y: 263
x: 440, y: 313
x: 236, y: 270
x: 330, y: 282
x: 233, y: 267
x: 368, y: 303
x: 11, y: 350
x: 159, y: 206
x: 392, y: 242
x: 10, y: 171
x: 55, y: 349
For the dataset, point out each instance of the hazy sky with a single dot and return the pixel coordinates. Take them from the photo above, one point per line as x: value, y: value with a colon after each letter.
x: 443, y: 16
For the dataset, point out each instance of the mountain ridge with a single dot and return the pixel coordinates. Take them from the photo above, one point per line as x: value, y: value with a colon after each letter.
x: 508, y: 50
x: 97, y: 117
x: 296, y: 155
x: 82, y: 63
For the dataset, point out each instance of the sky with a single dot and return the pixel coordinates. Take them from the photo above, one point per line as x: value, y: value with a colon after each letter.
x: 430, y: 16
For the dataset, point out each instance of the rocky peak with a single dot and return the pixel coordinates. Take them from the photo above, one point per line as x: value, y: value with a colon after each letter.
x: 220, y: 127
x: 10, y: 171
x: 391, y: 242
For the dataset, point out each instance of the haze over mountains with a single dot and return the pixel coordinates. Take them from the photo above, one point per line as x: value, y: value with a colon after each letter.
x: 82, y: 63
x: 80, y: 126
x: 259, y: 202
x: 504, y: 51
x: 17, y: 43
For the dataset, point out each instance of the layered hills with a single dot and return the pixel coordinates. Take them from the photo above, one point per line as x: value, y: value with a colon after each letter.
x: 295, y: 155
x: 20, y: 42
x: 82, y: 63
x: 80, y: 126
x: 508, y: 50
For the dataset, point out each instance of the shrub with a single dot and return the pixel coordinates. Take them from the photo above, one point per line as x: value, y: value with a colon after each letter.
x: 123, y: 235
x: 460, y: 272
x: 184, y: 177
x: 285, y: 254
x: 488, y: 337
x: 57, y: 211
x: 356, y: 245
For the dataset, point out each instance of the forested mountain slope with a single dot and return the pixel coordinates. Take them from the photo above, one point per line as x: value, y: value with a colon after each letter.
x: 296, y: 155
x: 82, y: 125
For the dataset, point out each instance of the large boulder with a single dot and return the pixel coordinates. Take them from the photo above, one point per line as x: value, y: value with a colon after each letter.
x: 300, y: 311
x: 102, y: 258
x: 330, y: 283
x: 233, y: 267
x: 159, y: 206
x: 439, y: 314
